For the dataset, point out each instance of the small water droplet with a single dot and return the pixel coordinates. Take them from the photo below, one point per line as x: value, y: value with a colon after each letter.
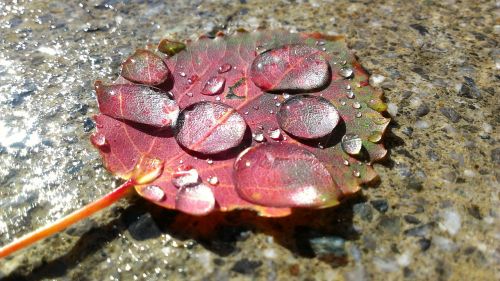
x: 217, y: 98
x: 192, y: 79
x: 323, y: 49
x: 246, y: 112
x: 375, y: 137
x: 271, y: 111
x: 286, y: 96
x: 346, y: 72
x: 224, y: 68
x: 278, y: 104
x: 344, y: 62
x: 356, y: 105
x: 348, y: 87
x: 351, y: 144
x: 189, y: 94
x: 195, y: 200
x: 214, y: 86
x: 185, y: 175
x: 153, y: 193
x: 346, y: 162
x: 320, y: 43
x: 358, y: 115
x: 350, y: 94
x: 275, y: 134
x: 356, y: 174
x: 210, y: 161
x: 182, y: 74
x: 275, y: 97
x: 99, y: 140
x: 256, y: 107
x: 259, y: 137
x: 213, y: 180
x: 342, y: 102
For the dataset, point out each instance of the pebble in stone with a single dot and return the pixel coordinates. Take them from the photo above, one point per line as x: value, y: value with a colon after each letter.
x: 495, y: 155
x: 450, y: 113
x: 246, y: 266
x: 329, y: 245
x: 411, y: 219
x: 143, y: 227
x: 469, y: 89
x: 407, y: 131
x: 450, y: 221
x: 389, y: 224
x: 419, y: 231
x: 364, y: 210
x: 424, y: 244
x: 380, y: 205
x: 422, y: 110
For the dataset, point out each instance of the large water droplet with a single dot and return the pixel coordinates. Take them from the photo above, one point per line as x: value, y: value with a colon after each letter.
x: 224, y: 68
x: 184, y: 176
x: 351, y: 144
x: 195, y: 200
x: 283, y: 175
x: 291, y: 67
x: 153, y: 193
x: 145, y: 67
x: 375, y: 137
x: 210, y: 128
x: 308, y: 117
x: 214, y: 86
x: 137, y: 103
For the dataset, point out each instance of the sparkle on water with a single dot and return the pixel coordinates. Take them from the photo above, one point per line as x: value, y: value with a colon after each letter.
x: 185, y: 175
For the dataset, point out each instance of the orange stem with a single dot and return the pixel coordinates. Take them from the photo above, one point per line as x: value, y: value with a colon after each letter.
x: 68, y: 220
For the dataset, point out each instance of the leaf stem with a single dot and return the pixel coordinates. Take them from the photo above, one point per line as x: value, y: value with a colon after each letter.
x: 68, y: 220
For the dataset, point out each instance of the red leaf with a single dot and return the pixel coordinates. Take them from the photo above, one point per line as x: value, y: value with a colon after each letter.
x: 313, y: 170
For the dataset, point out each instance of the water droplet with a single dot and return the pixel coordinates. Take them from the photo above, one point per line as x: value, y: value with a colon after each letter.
x: 192, y: 79
x: 256, y: 107
x: 285, y: 68
x: 195, y: 200
x: 275, y: 134
x: 351, y: 144
x: 346, y: 162
x: 286, y: 96
x: 210, y: 161
x: 344, y: 62
x: 213, y: 180
x: 209, y: 127
x: 217, y: 99
x: 99, y: 140
x: 323, y: 49
x: 182, y: 74
x: 308, y: 117
x: 356, y: 105
x: 350, y: 94
x: 259, y: 137
x: 320, y: 43
x: 214, y: 86
x: 283, y: 175
x: 348, y: 87
x: 189, y: 94
x: 185, y: 175
x: 145, y: 61
x: 278, y: 104
x: 153, y: 193
x: 224, y: 68
x: 358, y: 115
x: 342, y: 102
x: 356, y: 174
x: 346, y: 72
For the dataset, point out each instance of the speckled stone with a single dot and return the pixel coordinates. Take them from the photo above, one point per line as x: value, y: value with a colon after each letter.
x: 440, y: 53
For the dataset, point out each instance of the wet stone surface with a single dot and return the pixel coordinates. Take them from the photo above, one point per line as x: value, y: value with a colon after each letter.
x: 441, y: 181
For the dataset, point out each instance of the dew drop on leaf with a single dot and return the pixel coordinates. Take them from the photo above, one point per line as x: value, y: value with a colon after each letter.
x: 356, y: 105
x: 346, y: 72
x: 275, y: 134
x: 308, y: 117
x: 283, y: 175
x: 153, y: 193
x: 210, y: 127
x: 170, y: 47
x: 214, y: 86
x: 213, y: 180
x: 350, y: 94
x: 145, y: 67
x: 351, y: 144
x: 375, y: 137
x: 137, y: 103
x: 224, y: 68
x: 99, y: 140
x: 259, y: 137
x: 195, y: 200
x: 291, y: 67
x: 184, y: 176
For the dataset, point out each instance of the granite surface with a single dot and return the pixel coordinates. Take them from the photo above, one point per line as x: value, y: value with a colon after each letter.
x: 433, y: 216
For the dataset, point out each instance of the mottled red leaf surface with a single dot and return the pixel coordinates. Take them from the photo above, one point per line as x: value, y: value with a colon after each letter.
x: 229, y: 116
